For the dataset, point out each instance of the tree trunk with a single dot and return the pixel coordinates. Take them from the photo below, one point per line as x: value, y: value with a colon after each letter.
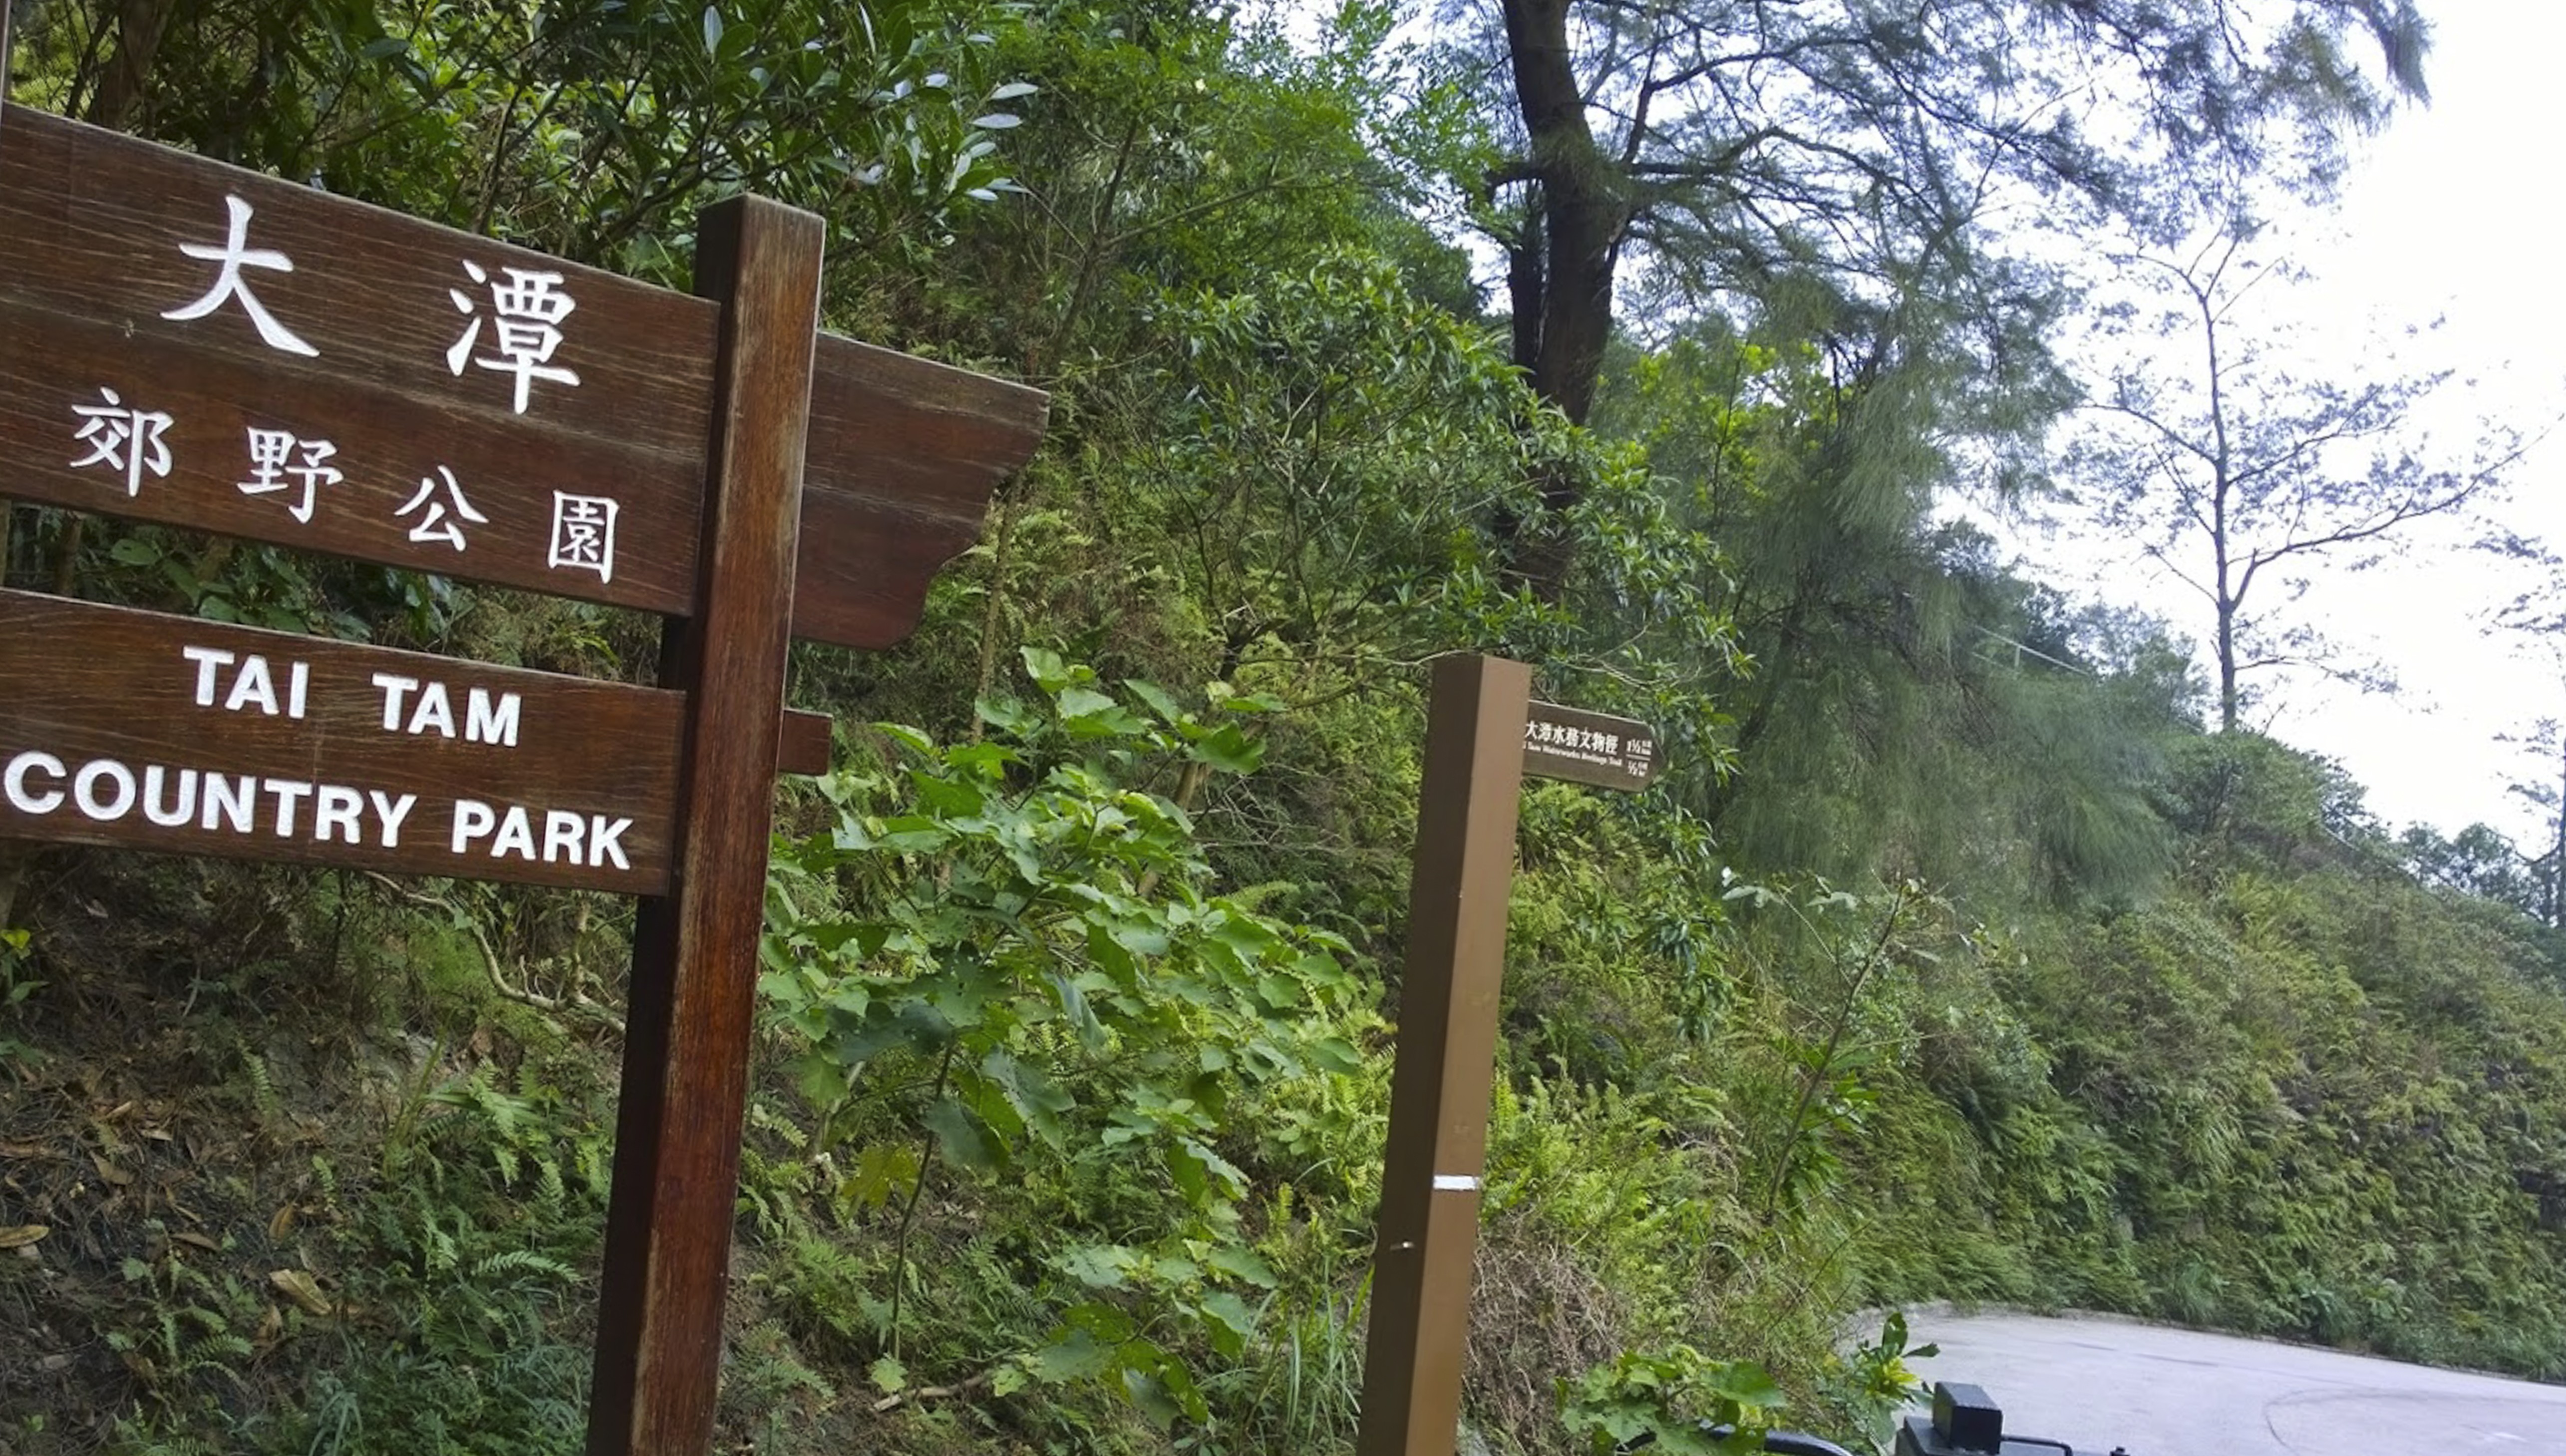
x: 122, y: 85
x: 2226, y: 665
x: 1561, y: 278
x: 2557, y: 887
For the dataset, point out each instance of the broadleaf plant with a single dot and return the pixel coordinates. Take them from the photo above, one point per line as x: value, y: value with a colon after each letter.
x: 1006, y: 960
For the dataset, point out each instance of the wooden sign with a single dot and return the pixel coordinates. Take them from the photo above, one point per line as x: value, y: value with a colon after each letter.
x: 903, y: 455
x: 194, y: 343
x: 187, y: 343
x: 1428, y: 1228
x: 154, y: 732
x: 1589, y: 748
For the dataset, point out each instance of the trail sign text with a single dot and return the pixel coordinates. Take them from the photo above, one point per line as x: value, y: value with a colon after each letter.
x: 155, y: 732
x: 1588, y: 748
x: 189, y: 342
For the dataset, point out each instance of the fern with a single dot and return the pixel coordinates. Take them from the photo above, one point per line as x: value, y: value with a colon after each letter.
x: 517, y: 1261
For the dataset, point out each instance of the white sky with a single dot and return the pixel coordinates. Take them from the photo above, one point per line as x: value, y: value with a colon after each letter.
x: 2439, y: 218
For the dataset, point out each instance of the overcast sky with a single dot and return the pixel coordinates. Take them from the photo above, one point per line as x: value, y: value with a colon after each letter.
x: 2448, y: 214
x: 2440, y: 219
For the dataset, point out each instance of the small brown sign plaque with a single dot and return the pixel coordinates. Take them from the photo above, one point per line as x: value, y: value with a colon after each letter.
x: 1589, y: 748
x: 155, y: 732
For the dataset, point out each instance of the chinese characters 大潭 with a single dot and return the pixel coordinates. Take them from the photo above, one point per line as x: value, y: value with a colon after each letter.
x: 234, y: 255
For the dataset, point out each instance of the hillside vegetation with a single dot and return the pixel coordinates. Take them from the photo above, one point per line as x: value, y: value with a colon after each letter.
x: 1953, y: 957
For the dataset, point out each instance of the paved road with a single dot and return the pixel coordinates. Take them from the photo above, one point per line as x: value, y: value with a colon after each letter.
x: 2098, y: 1383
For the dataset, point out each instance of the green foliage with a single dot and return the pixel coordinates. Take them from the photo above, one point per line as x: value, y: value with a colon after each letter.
x: 17, y: 981
x: 1049, y: 993
x: 2290, y: 1100
x: 1330, y: 449
x: 1901, y: 705
x: 1670, y: 1397
x: 1948, y: 959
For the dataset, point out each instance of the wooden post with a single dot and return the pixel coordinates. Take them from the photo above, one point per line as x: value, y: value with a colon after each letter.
x: 694, y: 958
x: 14, y: 855
x: 1447, y: 1039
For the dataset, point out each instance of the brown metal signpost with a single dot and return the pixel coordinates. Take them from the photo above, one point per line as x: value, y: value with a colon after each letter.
x: 189, y: 342
x: 1484, y: 734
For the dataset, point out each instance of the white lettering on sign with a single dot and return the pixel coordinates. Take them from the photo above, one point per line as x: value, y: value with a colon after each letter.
x: 131, y: 442
x: 390, y: 813
x: 231, y: 800
x: 234, y: 255
x: 490, y: 720
x: 121, y: 790
x: 487, y: 719
x: 434, y: 523
x: 271, y: 461
x: 107, y: 790
x: 584, y: 534
x: 336, y: 808
x: 155, y: 805
x: 253, y: 687
x: 529, y: 307
x: 511, y: 833
x: 288, y: 793
x: 13, y: 782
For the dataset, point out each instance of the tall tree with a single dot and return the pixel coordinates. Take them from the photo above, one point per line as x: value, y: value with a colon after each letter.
x: 1903, y: 705
x: 2241, y: 471
x: 1739, y: 146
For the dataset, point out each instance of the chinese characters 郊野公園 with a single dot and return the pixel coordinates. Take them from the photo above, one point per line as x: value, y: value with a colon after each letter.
x: 584, y: 534
x: 271, y: 459
x: 434, y: 522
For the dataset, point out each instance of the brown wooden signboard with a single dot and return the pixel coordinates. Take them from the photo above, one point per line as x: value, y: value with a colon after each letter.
x: 155, y: 732
x: 190, y: 343
x: 194, y: 343
x: 187, y: 343
x: 1596, y: 749
x: 903, y: 454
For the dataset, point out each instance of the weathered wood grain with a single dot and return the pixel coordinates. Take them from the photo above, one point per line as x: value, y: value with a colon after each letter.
x: 904, y: 454
x: 804, y: 745
x: 90, y: 684
x: 694, y: 964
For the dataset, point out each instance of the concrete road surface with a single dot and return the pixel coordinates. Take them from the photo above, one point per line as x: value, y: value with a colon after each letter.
x: 2099, y: 1384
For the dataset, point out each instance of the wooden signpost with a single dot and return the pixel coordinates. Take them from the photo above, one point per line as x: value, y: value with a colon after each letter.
x: 187, y: 343
x: 1484, y: 734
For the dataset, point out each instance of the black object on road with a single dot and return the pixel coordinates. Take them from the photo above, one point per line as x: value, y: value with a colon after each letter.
x: 1966, y: 1422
